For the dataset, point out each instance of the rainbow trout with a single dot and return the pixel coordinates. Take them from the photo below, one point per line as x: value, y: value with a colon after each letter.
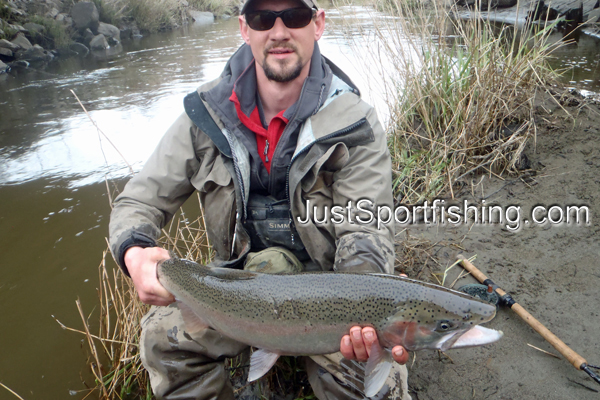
x: 308, y: 313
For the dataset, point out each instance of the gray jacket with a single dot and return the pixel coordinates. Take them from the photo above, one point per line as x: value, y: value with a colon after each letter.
x: 340, y: 157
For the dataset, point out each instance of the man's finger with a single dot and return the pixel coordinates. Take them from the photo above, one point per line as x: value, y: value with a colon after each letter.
x: 346, y: 348
x: 160, y: 291
x: 358, y: 344
x: 369, y: 339
x: 400, y: 355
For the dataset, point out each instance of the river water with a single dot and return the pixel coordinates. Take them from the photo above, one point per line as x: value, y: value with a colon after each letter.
x: 54, y: 208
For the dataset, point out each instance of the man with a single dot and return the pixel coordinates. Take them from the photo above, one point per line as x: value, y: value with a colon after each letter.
x: 282, y: 129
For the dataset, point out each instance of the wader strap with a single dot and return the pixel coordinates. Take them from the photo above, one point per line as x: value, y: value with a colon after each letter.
x: 196, y: 110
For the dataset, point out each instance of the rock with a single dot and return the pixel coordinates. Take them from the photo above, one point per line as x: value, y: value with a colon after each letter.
x: 52, y: 13
x: 9, y: 45
x: 16, y: 12
x: 22, y: 42
x: 111, y: 32
x: 64, y: 52
x: 64, y: 19
x: 504, y: 3
x: 593, y: 16
x: 36, y: 53
x: 99, y: 42
x: 6, y: 53
x: 107, y: 54
x: 87, y: 36
x: 3, y: 68
x: 85, y: 15
x: 80, y: 49
x: 21, y: 64
x: 201, y: 17
x: 130, y: 31
x: 35, y: 29
x: 17, y: 27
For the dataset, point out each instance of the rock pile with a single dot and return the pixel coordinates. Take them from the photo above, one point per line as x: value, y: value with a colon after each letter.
x: 28, y: 30
x: 82, y: 24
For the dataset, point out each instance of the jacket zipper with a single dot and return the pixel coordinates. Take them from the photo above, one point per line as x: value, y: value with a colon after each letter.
x: 304, y: 150
x: 238, y: 174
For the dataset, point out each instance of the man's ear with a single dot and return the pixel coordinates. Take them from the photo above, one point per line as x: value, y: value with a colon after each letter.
x: 244, y: 29
x: 319, y: 24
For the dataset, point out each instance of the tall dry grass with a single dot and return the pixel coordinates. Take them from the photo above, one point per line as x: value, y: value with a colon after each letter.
x: 113, y: 339
x: 460, y: 92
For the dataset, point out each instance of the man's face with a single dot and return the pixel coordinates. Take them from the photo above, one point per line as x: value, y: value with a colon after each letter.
x: 282, y: 52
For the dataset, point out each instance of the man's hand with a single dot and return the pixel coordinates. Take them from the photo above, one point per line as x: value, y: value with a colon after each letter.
x: 357, y: 345
x: 141, y: 264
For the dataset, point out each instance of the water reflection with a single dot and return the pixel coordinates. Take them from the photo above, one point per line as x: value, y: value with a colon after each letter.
x: 133, y: 97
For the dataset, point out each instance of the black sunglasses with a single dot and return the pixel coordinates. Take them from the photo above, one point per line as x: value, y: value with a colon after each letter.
x: 293, y: 18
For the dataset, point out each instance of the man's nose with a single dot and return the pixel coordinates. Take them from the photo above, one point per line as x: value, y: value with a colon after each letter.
x: 279, y: 30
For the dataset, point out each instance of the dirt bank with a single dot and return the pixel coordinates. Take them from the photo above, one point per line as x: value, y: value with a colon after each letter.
x: 551, y: 269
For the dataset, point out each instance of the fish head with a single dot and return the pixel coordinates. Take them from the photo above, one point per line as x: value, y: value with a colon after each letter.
x: 441, y: 320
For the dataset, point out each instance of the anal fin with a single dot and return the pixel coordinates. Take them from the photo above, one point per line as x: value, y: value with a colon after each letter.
x: 261, y: 362
x: 377, y: 370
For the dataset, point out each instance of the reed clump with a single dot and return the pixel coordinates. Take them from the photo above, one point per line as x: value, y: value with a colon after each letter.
x: 113, y: 341
x: 217, y: 7
x: 460, y: 93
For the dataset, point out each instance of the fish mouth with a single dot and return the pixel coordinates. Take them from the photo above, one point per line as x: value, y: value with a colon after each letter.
x: 476, y: 336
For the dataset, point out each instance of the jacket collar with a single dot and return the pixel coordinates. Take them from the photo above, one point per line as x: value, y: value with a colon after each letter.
x: 240, y: 75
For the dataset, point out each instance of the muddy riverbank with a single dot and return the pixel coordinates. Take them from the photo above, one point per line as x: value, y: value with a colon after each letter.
x: 551, y: 269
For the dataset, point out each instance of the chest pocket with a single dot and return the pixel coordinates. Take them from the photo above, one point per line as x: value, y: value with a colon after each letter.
x: 268, y: 225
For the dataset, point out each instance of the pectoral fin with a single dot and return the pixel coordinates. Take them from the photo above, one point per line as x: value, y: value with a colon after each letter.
x: 377, y: 370
x: 261, y: 362
x: 193, y: 322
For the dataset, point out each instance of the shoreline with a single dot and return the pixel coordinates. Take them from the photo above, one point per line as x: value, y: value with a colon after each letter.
x: 39, y: 32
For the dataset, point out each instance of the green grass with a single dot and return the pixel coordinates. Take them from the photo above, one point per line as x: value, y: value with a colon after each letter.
x: 56, y: 34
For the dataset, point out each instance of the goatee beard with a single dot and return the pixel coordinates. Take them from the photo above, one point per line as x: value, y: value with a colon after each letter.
x: 284, y: 74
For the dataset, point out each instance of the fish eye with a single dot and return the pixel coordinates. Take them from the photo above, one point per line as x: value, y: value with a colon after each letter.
x: 444, y: 326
